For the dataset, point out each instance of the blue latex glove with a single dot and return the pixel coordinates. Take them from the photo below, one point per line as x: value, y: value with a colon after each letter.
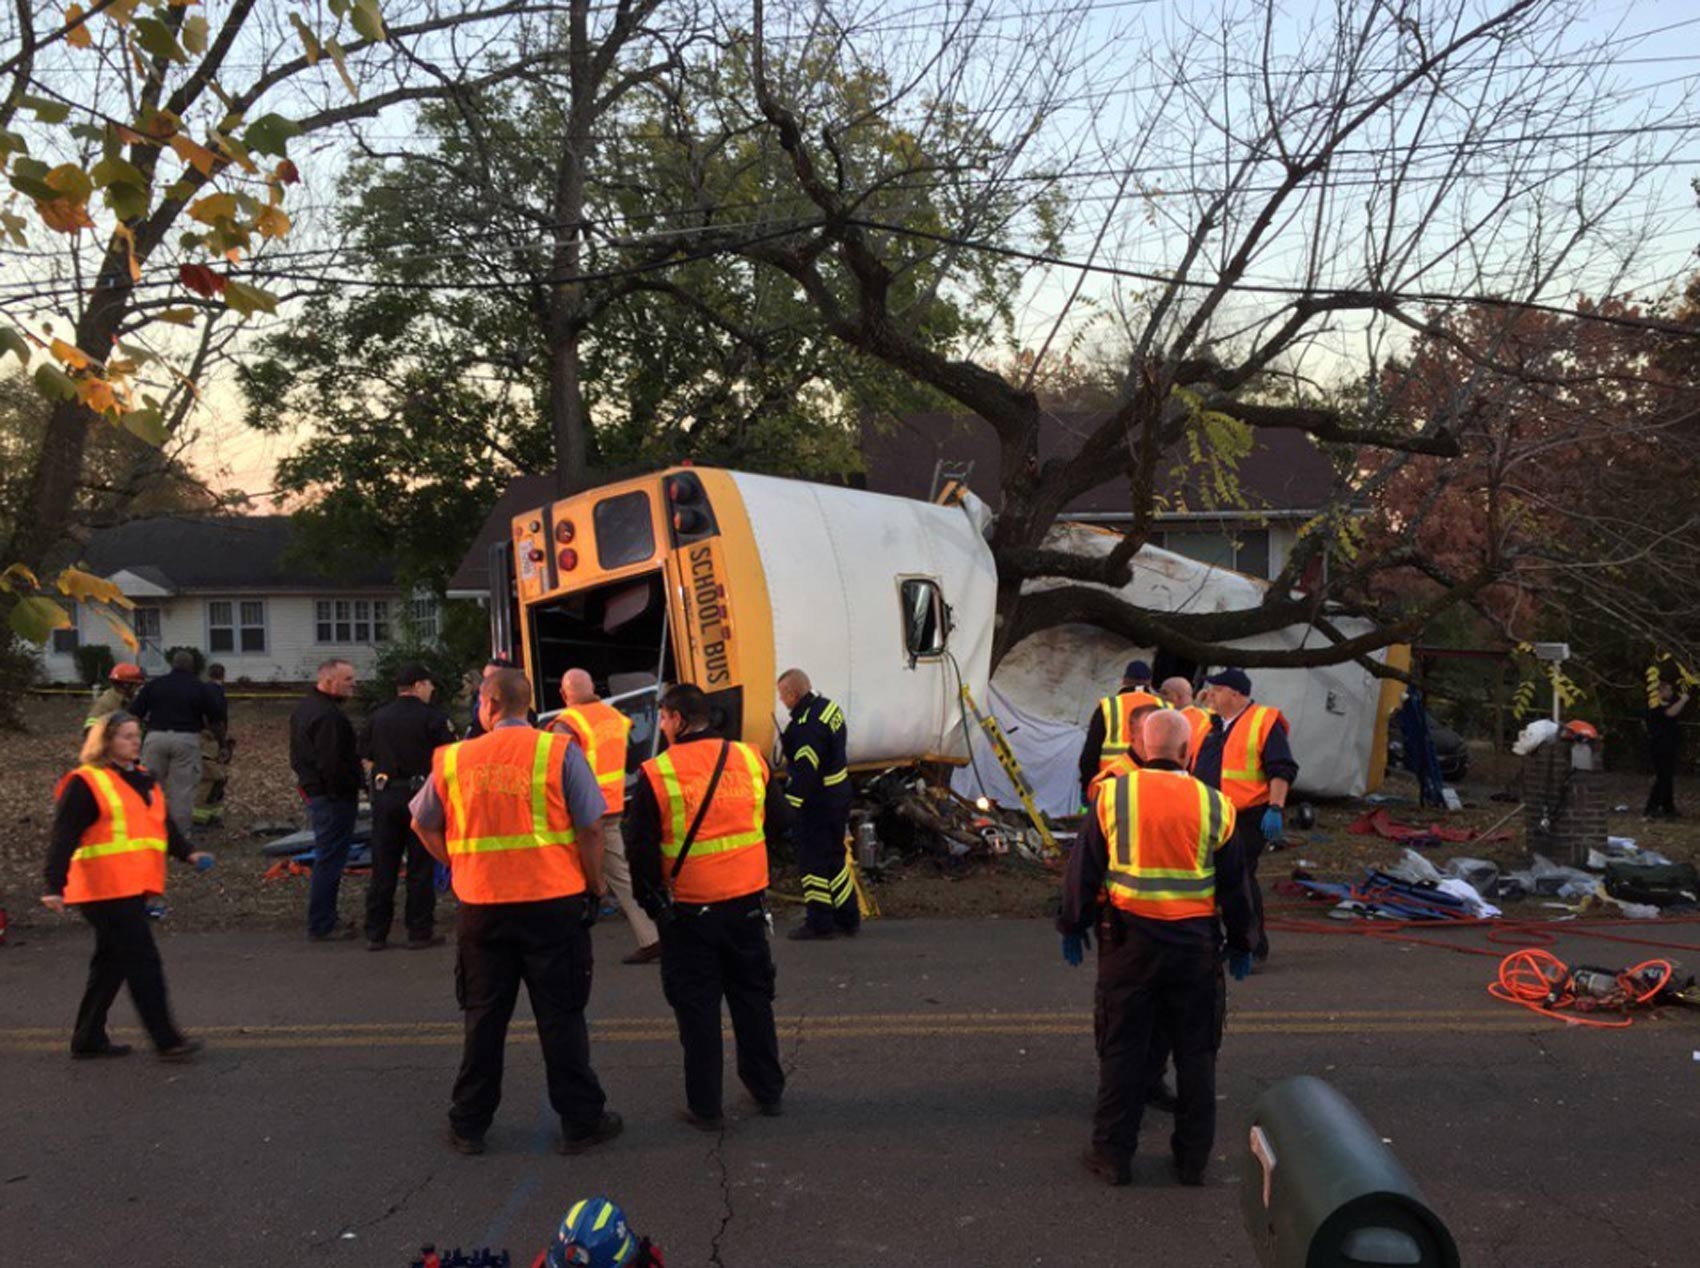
x: 1239, y: 965
x: 204, y: 862
x: 1074, y: 948
x: 1274, y: 823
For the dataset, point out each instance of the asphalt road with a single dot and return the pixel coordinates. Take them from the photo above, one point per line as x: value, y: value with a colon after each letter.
x: 941, y: 1076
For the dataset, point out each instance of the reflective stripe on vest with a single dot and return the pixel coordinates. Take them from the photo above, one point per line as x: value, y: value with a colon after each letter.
x: 1200, y: 719
x: 1243, y: 779
x: 1112, y: 769
x: 1116, y: 711
x: 122, y: 854
x: 509, y: 836
x: 728, y: 859
x: 601, y: 731
x: 1162, y: 830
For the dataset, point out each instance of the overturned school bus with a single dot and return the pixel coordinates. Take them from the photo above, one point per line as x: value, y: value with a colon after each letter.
x: 724, y: 580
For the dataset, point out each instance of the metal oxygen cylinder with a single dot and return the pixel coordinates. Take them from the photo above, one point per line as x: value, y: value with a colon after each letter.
x: 1592, y: 983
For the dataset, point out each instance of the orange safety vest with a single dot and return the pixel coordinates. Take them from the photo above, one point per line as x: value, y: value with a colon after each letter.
x: 1200, y: 719
x: 728, y: 857
x: 122, y: 854
x: 1117, y: 710
x: 1243, y: 779
x: 1162, y: 829
x: 1112, y: 769
x: 509, y: 835
x: 601, y: 731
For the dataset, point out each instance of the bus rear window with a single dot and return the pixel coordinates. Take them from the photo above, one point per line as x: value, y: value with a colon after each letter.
x: 625, y: 531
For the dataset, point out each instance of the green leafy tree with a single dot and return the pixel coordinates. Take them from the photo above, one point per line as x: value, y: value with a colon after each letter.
x: 423, y: 393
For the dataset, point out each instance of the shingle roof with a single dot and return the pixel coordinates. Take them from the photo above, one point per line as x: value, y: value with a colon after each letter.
x: 1283, y: 472
x: 229, y: 552
x: 523, y: 493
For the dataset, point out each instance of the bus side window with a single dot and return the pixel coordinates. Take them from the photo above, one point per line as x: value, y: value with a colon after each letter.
x: 926, y: 623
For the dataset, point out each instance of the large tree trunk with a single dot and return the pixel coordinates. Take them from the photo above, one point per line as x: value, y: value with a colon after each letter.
x: 43, y: 530
x: 566, y: 391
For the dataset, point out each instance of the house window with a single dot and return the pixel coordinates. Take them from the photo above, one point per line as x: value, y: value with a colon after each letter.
x: 146, y: 622
x: 426, y: 617
x: 351, y: 621
x: 67, y: 640
x: 236, y: 627
x: 1246, y: 550
x: 923, y: 618
x: 1252, y: 554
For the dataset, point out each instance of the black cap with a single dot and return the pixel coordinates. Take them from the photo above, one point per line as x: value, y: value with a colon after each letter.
x: 1136, y: 671
x: 1232, y: 679
x: 411, y: 674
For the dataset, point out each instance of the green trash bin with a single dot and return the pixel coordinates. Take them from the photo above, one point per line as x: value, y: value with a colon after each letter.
x: 1322, y: 1191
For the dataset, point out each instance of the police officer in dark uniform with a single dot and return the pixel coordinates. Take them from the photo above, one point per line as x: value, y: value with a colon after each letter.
x: 396, y: 744
x: 817, y: 788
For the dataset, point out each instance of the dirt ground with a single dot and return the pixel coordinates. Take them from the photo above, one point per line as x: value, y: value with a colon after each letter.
x: 262, y: 793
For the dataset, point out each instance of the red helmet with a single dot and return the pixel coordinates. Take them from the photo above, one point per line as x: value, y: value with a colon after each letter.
x: 127, y: 673
x: 1580, y: 730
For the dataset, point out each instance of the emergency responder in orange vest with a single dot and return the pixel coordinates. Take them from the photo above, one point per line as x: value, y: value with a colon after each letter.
x: 111, y: 834
x: 699, y: 864
x: 1178, y: 692
x: 817, y: 788
x: 1126, y: 762
x: 516, y: 815
x: 1109, y: 734
x: 1247, y: 756
x: 1160, y: 846
x: 601, y: 730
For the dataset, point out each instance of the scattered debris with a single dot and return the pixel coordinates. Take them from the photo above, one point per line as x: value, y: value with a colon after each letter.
x: 1538, y: 980
x: 1381, y: 824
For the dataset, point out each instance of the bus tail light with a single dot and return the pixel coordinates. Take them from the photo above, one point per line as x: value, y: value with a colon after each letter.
x: 565, y: 532
x: 567, y: 559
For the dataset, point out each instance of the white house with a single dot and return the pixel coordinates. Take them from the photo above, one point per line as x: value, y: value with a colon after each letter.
x: 242, y: 590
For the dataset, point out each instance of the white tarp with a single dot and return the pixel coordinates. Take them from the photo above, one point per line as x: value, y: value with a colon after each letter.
x: 1049, y: 752
x: 835, y: 561
x: 1055, y: 678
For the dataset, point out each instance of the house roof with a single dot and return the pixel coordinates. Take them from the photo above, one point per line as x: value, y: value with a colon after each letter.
x: 1284, y: 472
x: 227, y: 552
x: 472, y: 577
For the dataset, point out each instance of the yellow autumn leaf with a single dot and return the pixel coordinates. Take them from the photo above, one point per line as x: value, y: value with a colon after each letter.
x: 123, y: 233
x: 176, y: 316
x: 69, y: 354
x: 85, y: 587
x: 78, y: 36
x: 97, y: 394
x: 213, y: 208
x: 194, y: 154
x: 272, y: 222
x: 63, y: 216
x: 122, y: 629
x: 17, y: 575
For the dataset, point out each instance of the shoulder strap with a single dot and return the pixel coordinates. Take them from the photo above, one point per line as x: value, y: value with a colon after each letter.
x: 707, y: 797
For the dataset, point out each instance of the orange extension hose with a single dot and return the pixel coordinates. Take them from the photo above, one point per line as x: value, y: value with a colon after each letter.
x: 1539, y: 981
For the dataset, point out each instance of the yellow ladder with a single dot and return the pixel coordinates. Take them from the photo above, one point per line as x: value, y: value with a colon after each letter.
x: 1012, y: 768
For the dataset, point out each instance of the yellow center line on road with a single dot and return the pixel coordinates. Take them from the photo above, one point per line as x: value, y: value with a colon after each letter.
x: 1003, y: 1020
x: 850, y: 1026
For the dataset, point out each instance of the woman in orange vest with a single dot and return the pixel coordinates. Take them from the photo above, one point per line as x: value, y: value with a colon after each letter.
x: 110, y: 838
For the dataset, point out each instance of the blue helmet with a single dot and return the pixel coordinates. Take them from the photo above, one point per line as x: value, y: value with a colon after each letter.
x: 593, y: 1235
